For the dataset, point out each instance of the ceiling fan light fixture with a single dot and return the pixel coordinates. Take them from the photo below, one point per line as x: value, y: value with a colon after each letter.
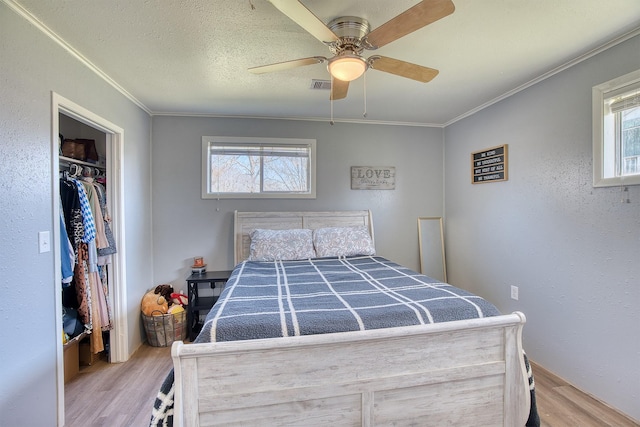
x: 347, y: 67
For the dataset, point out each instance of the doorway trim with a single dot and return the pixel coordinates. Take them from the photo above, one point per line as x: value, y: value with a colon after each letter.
x: 119, y: 339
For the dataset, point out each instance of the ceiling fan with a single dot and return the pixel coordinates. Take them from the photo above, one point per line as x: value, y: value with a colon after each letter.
x: 348, y: 36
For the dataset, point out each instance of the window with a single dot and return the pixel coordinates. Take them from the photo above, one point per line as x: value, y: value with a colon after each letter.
x: 616, y: 131
x: 236, y: 167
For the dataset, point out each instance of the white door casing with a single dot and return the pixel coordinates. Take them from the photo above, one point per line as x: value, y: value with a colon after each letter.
x: 119, y: 347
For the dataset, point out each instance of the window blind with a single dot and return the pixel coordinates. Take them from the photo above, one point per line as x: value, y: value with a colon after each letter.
x: 260, y: 150
x: 624, y: 98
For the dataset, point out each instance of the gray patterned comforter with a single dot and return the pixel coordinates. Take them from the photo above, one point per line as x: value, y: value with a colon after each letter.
x: 290, y: 298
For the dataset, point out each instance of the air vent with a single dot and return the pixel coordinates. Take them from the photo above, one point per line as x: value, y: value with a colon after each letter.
x: 320, y: 84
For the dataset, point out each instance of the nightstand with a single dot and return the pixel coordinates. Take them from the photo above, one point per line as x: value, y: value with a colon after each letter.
x: 199, y: 303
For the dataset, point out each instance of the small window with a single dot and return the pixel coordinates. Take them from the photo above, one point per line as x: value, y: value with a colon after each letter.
x: 616, y: 131
x: 236, y: 167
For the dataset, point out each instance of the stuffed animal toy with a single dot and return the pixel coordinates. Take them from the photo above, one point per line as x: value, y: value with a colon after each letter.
x: 175, y: 308
x: 165, y: 291
x: 179, y: 298
x: 154, y: 304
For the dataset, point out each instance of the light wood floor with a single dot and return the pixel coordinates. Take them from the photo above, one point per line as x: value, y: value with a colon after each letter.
x: 118, y: 395
x: 562, y: 405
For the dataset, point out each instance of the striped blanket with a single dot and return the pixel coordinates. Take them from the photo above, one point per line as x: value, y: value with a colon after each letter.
x: 290, y: 298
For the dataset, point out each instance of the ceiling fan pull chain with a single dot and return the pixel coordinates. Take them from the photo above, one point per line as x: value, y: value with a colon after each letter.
x: 364, y: 79
x: 331, y: 102
x: 331, y: 122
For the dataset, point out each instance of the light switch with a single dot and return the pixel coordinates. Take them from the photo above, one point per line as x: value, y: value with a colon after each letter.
x: 44, y: 241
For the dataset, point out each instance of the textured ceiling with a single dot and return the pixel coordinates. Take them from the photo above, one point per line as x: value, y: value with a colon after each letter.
x: 191, y: 57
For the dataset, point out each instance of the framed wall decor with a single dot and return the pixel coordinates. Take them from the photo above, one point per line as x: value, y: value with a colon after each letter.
x: 373, y: 177
x: 490, y: 165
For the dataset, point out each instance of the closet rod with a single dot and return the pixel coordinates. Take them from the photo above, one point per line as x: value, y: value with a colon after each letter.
x: 68, y: 161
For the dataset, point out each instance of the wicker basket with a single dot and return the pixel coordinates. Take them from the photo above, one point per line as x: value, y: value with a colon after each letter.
x: 163, y: 330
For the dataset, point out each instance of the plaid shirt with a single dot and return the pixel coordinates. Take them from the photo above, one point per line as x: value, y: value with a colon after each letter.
x: 87, y: 216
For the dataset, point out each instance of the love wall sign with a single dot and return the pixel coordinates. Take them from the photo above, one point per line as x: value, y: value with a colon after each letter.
x: 373, y: 177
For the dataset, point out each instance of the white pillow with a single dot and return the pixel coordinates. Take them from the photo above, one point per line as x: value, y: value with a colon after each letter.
x: 343, y: 241
x: 284, y: 245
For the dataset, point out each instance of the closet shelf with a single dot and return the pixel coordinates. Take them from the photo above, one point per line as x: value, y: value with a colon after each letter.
x: 70, y: 160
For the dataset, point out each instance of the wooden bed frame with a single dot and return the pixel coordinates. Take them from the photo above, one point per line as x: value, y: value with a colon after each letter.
x: 468, y: 372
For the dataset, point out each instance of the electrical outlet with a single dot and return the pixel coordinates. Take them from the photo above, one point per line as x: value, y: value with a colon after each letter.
x: 514, y: 292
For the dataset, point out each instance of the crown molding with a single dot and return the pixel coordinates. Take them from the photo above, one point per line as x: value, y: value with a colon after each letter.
x: 553, y: 72
x: 73, y: 52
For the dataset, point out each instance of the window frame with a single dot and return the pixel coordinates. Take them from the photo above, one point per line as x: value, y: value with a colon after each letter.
x: 600, y: 93
x: 206, y: 167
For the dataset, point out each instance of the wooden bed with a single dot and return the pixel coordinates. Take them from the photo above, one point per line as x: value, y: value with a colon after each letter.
x: 459, y: 373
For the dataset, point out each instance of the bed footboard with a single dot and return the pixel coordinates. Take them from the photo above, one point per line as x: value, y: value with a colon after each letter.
x: 468, y: 372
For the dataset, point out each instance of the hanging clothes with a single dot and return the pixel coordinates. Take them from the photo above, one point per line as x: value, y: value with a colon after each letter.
x: 87, y: 216
x: 72, y: 214
x: 70, y: 199
x: 67, y: 256
x: 100, y: 242
x: 83, y: 289
x: 110, y: 248
x: 96, y: 212
x: 82, y: 205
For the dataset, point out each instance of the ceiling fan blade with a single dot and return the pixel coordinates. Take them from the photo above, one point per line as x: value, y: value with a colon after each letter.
x: 302, y: 16
x: 423, y: 13
x: 402, y: 68
x: 339, y: 89
x: 287, y: 65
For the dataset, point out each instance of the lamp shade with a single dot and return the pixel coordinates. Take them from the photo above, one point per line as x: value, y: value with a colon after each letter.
x: 347, y: 67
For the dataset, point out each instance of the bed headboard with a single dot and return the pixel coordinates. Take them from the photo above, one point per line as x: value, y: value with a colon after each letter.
x: 246, y: 222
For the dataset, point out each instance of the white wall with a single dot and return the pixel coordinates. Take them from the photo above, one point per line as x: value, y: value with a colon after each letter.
x: 31, y: 67
x: 185, y: 225
x: 570, y: 248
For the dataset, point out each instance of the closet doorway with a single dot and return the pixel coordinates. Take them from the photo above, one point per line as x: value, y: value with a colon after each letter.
x: 67, y: 114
